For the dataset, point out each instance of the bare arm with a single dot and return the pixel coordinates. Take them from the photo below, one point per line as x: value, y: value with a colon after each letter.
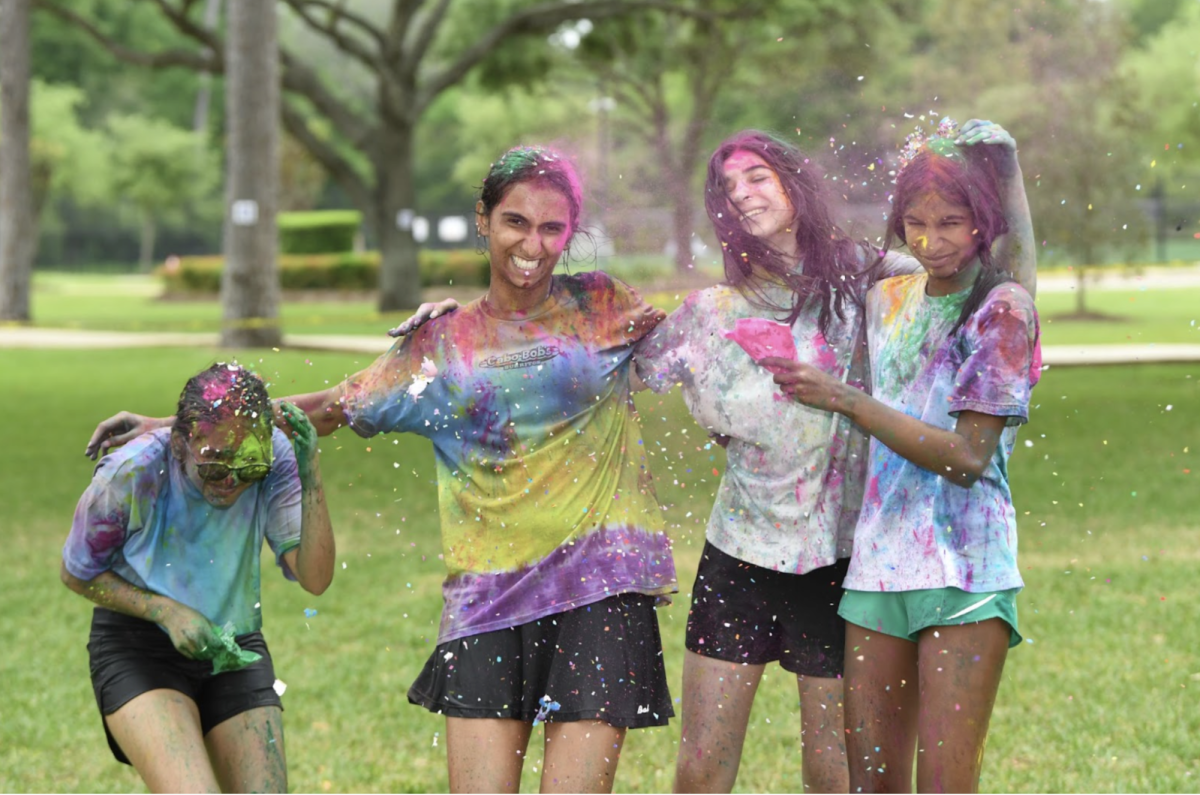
x: 311, y: 562
x: 960, y: 456
x: 1016, y: 251
x: 191, y: 633
x: 324, y: 410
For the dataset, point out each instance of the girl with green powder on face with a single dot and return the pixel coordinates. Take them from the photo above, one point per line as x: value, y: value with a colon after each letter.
x: 166, y: 541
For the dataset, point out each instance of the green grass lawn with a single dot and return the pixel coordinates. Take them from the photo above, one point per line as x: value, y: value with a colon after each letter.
x: 129, y: 303
x: 1105, y: 696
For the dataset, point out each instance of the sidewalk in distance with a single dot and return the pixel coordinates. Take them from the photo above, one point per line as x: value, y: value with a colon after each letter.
x: 45, y: 338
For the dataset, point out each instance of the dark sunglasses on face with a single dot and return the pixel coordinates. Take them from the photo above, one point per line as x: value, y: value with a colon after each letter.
x: 248, y: 473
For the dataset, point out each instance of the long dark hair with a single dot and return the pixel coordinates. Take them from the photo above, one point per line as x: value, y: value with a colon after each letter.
x: 220, y: 393
x: 831, y: 259
x: 533, y: 164
x: 965, y: 176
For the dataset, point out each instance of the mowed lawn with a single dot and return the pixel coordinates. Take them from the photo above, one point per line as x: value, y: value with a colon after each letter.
x: 1103, y: 696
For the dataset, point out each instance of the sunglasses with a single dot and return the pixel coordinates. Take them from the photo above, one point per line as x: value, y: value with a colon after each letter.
x: 210, y: 471
x: 214, y: 470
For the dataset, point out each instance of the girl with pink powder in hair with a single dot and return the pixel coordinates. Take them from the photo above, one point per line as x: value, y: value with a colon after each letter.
x: 780, y: 534
x: 931, y: 589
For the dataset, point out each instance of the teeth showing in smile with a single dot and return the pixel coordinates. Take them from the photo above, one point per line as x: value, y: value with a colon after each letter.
x: 525, y: 264
x: 753, y: 213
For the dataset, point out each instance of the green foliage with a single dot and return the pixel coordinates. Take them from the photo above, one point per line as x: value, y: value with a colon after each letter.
x: 1163, y: 72
x: 61, y: 53
x: 346, y: 271
x: 68, y: 160
x: 159, y: 168
x: 318, y: 231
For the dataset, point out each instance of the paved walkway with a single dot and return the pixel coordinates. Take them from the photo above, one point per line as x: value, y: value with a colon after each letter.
x: 22, y: 337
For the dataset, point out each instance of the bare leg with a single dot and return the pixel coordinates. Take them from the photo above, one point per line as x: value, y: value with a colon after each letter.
x: 960, y: 670
x: 486, y: 754
x: 247, y: 751
x: 717, y: 697
x: 581, y: 756
x: 160, y: 733
x: 881, y: 710
x: 822, y: 733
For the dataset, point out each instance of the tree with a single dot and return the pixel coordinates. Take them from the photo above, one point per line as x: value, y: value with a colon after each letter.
x: 423, y: 48
x: 160, y: 169
x: 18, y: 230
x: 669, y: 77
x: 250, y: 293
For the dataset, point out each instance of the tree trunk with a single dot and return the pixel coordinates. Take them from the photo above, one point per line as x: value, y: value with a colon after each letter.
x: 1080, y: 303
x: 250, y: 292
x: 682, y: 221
x: 146, y: 251
x: 212, y: 14
x: 18, y: 225
x: 395, y: 200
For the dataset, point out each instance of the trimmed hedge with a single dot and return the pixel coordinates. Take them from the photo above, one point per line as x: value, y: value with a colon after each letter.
x: 348, y: 271
x: 318, y: 231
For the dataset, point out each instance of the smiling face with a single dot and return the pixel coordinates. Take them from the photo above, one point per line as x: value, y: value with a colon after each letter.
x: 943, y: 238
x: 757, y: 199
x: 231, y: 442
x: 527, y: 232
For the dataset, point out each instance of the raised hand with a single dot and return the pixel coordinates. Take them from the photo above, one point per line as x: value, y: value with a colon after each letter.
x: 979, y: 131
x: 119, y: 429
x: 304, y: 438
x: 426, y: 311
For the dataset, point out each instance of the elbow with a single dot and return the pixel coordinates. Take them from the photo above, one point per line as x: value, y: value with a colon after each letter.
x: 317, y: 584
x: 68, y: 579
x: 966, y: 474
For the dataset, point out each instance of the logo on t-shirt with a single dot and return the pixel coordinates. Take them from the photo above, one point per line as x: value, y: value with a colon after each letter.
x: 529, y: 358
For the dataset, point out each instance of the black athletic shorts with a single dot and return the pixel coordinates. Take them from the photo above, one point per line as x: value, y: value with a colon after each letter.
x: 600, y: 662
x: 748, y: 614
x: 129, y: 656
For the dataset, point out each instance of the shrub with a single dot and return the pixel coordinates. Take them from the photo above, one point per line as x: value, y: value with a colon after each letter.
x: 347, y: 271
x: 318, y: 231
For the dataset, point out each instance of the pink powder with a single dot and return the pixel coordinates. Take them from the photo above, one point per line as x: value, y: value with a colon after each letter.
x: 761, y: 338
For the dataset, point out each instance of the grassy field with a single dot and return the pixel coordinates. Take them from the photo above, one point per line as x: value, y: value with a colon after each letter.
x: 1104, y: 696
x: 129, y: 303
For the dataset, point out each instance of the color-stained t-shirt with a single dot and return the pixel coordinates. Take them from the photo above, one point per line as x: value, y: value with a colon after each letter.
x: 792, y: 487
x: 144, y: 520
x: 919, y: 530
x: 545, y: 498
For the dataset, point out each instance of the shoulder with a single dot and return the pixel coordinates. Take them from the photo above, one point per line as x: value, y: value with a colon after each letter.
x: 896, y: 288
x: 146, y: 451
x: 139, y: 467
x: 1006, y: 303
x: 1009, y: 296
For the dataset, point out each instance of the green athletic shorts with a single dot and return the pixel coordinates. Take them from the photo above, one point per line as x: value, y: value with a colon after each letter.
x: 904, y: 614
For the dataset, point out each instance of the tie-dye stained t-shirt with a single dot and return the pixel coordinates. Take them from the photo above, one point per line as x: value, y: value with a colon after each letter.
x: 790, y: 495
x: 545, y: 498
x: 145, y: 521
x: 919, y: 530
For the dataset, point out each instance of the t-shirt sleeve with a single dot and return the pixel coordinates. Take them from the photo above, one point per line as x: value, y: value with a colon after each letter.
x: 1003, y: 347
x: 383, y: 398
x: 620, y: 315
x: 283, y: 493
x: 101, y: 523
x: 895, y: 264
x: 669, y: 355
